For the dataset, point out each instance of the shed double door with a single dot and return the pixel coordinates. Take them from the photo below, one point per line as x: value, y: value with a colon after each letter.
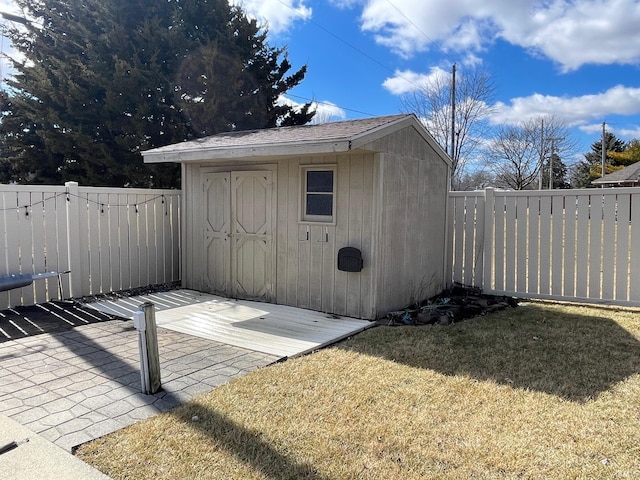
x: 238, y: 238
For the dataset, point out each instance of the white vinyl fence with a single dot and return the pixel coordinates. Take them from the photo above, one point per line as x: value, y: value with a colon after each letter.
x: 578, y: 245
x: 109, y: 239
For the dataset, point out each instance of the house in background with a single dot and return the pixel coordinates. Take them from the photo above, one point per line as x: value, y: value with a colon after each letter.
x: 628, y: 176
x: 348, y: 218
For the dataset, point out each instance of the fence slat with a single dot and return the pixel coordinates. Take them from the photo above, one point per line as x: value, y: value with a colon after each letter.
x: 557, y: 247
x: 595, y: 246
x: 623, y: 256
x: 570, y: 215
x: 533, y: 238
x: 634, y: 263
x: 522, y: 219
x: 499, y: 241
x: 545, y: 245
x: 608, y: 246
x: 510, y: 243
x: 582, y: 249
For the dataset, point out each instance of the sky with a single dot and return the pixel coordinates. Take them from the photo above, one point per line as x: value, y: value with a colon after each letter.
x: 577, y: 60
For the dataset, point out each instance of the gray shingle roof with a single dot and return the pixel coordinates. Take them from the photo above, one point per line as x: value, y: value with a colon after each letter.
x: 324, y: 132
x: 627, y: 174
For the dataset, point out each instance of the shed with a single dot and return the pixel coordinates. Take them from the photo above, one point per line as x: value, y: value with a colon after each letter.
x: 348, y: 218
x: 628, y: 176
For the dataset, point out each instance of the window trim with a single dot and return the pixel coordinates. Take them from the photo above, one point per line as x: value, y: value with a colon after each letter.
x: 319, y: 219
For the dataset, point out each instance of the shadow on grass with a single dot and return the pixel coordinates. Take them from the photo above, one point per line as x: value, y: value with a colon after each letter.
x: 569, y: 355
x: 245, y: 445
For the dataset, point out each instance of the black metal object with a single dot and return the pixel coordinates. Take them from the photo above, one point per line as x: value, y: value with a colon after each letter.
x: 350, y: 259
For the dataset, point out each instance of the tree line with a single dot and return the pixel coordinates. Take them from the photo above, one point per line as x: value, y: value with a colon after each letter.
x: 534, y: 153
x: 97, y: 81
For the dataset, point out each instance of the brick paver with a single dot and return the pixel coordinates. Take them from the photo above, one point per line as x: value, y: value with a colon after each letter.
x: 77, y: 385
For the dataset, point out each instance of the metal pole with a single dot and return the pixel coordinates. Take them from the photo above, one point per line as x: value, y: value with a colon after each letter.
x: 453, y: 112
x: 604, y: 150
x: 541, y: 153
x: 553, y: 148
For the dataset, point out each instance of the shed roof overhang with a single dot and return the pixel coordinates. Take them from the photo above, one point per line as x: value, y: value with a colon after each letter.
x: 338, y: 137
x: 253, y: 151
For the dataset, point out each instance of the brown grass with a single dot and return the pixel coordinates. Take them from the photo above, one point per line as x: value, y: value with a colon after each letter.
x: 540, y: 391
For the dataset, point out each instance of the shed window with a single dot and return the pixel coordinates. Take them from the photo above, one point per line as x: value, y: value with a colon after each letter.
x: 319, y: 194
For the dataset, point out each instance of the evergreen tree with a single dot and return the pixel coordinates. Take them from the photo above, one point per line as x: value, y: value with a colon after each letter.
x: 102, y: 80
x: 559, y: 173
x: 630, y: 155
x: 591, y: 167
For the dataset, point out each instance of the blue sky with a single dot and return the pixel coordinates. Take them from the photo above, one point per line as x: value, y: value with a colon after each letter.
x: 577, y: 60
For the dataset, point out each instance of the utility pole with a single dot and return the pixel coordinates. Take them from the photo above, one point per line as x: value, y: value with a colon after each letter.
x: 453, y: 111
x: 553, y: 149
x: 553, y: 141
x: 604, y: 149
x: 541, y: 153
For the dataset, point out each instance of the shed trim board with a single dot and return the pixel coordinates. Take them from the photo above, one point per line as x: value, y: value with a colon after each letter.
x: 390, y: 201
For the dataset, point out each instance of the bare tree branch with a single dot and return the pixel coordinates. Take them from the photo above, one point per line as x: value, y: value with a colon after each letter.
x: 475, y: 92
x: 518, y: 152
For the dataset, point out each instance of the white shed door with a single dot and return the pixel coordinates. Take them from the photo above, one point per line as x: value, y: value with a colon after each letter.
x: 238, y: 234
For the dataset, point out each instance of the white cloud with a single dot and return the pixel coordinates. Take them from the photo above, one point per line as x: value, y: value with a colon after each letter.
x: 325, y: 111
x: 407, y: 81
x: 626, y: 133
x: 618, y: 100
x: 570, y: 32
x: 278, y: 15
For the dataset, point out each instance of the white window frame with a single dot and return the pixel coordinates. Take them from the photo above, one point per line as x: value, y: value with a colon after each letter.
x: 307, y: 218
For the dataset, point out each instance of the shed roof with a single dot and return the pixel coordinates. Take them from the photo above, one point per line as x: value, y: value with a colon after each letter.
x: 295, y: 140
x: 629, y: 174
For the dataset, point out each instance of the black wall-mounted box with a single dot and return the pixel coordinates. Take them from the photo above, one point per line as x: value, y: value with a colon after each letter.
x: 350, y: 259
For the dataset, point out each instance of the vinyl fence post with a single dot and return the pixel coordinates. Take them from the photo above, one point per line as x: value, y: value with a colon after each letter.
x: 74, y: 251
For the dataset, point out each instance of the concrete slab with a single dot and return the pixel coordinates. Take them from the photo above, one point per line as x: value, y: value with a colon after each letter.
x: 37, y: 458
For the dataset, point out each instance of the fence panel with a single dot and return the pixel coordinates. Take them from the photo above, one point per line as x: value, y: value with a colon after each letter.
x: 93, y: 232
x: 579, y: 245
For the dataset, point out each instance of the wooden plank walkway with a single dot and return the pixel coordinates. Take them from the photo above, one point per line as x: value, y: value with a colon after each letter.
x: 263, y: 327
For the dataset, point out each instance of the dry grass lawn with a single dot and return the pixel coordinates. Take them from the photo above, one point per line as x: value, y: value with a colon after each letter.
x: 541, y: 391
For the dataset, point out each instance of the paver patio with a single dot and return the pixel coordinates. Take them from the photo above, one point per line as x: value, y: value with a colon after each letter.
x: 77, y: 385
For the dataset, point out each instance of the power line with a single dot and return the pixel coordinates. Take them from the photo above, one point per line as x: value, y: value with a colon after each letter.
x: 361, y: 52
x: 411, y: 22
x: 330, y: 104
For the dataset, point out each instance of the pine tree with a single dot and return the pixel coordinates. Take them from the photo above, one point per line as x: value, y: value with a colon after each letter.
x: 591, y: 167
x: 559, y: 173
x: 105, y: 79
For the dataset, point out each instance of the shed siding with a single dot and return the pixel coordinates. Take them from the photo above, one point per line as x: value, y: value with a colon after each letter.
x: 413, y: 220
x: 307, y: 265
x: 306, y: 273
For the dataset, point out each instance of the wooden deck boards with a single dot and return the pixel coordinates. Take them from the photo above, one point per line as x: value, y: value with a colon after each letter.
x: 263, y: 327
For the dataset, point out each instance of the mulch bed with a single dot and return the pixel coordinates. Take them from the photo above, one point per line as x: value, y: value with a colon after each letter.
x: 454, y: 305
